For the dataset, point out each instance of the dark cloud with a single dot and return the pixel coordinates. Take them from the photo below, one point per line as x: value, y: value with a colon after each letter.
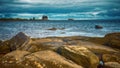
x: 100, y: 8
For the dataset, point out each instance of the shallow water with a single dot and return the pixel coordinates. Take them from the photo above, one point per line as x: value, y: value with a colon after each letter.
x: 39, y: 29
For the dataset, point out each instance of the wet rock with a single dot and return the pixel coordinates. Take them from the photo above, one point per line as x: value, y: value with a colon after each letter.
x: 52, y: 28
x: 112, y: 65
x: 70, y: 19
x: 19, y: 40
x: 56, y: 29
x: 98, y: 27
x: 112, y: 40
x: 79, y: 55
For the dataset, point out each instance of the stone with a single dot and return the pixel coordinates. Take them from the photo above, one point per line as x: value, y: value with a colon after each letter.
x: 98, y: 27
x: 13, y: 59
x: 113, y: 40
x: 97, y: 48
x: 70, y: 19
x: 53, y: 28
x: 19, y: 40
x: 1, y: 41
x: 40, y: 59
x: 113, y: 57
x: 112, y: 65
x: 50, y: 59
x: 79, y: 55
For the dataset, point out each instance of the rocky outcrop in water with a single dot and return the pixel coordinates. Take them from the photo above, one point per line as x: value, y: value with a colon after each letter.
x: 98, y: 27
x: 55, y: 29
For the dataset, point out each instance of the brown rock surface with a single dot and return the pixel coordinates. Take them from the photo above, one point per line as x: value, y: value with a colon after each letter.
x: 113, y: 57
x: 13, y: 59
x: 78, y: 51
x: 113, y: 40
x: 79, y: 55
x: 112, y: 65
x: 40, y: 59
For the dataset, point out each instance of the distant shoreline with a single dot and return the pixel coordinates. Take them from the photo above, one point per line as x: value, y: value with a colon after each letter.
x: 60, y: 20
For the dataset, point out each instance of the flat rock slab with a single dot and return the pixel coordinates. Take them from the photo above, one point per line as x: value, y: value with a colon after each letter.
x: 40, y: 59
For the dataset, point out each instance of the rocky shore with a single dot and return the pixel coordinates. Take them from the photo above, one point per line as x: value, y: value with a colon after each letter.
x: 21, y: 51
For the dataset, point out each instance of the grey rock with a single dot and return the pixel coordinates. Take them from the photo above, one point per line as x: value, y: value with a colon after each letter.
x: 19, y: 40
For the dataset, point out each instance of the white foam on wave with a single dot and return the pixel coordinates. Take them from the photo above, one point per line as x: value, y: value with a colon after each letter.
x: 60, y: 33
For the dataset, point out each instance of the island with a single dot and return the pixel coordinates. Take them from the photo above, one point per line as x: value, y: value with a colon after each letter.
x: 24, y: 19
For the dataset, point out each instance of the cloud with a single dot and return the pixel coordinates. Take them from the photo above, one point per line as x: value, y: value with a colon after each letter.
x: 60, y: 8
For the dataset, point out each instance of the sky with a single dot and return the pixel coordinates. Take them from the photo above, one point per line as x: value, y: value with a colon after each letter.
x: 60, y: 9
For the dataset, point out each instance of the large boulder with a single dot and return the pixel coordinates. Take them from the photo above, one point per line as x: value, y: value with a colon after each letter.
x: 13, y: 59
x: 40, y: 59
x: 17, y: 41
x: 113, y: 40
x: 79, y: 55
x: 42, y: 44
x: 112, y: 65
x: 50, y: 59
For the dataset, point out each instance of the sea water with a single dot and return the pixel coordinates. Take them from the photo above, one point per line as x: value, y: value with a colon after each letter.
x: 40, y: 29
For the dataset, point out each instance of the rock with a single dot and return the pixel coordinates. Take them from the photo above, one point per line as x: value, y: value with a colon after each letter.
x: 112, y: 40
x: 97, y: 48
x: 34, y: 47
x: 44, y: 17
x: 52, y: 28
x: 1, y: 41
x: 42, y: 44
x: 112, y: 65
x: 13, y: 59
x: 40, y: 59
x: 56, y: 29
x: 98, y: 27
x: 4, y: 49
x: 19, y: 40
x: 113, y: 57
x: 70, y: 19
x: 79, y: 55
x: 50, y: 59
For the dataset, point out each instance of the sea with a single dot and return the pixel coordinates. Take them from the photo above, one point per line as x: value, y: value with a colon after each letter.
x: 63, y: 28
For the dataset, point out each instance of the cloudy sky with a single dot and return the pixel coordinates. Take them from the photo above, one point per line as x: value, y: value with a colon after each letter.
x: 61, y: 9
